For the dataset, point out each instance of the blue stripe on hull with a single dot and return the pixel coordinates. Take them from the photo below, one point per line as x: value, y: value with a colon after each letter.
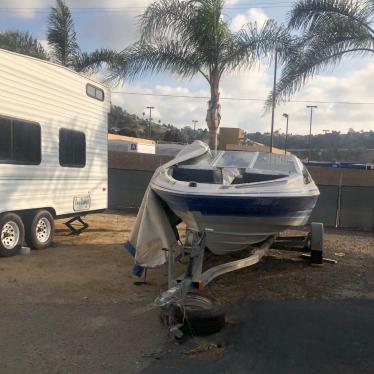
x: 239, y: 205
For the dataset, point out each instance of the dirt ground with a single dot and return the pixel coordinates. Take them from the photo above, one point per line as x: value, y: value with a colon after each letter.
x: 94, y: 271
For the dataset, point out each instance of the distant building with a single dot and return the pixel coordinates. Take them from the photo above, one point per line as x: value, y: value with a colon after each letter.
x: 230, y: 135
x: 122, y: 143
x: 233, y: 139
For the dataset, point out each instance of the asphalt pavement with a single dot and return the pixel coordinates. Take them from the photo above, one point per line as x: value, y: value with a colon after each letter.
x: 285, y: 337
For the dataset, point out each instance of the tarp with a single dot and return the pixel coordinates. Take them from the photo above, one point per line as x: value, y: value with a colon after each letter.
x: 154, y: 229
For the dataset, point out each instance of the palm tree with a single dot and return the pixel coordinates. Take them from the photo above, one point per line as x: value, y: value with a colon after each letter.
x: 331, y: 29
x: 191, y: 37
x: 61, y: 35
x: 62, y: 40
x: 22, y: 42
x: 65, y: 50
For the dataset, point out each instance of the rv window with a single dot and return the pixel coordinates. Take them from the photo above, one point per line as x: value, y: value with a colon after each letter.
x: 95, y: 92
x: 72, y: 148
x: 20, y: 142
x: 5, y: 138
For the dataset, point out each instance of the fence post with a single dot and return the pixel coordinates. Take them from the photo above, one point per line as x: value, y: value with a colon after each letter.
x: 338, y: 208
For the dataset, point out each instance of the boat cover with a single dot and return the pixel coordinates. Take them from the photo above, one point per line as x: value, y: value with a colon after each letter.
x: 154, y: 228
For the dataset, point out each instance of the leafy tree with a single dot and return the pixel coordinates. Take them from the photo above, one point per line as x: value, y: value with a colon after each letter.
x: 331, y: 29
x: 22, y: 42
x: 173, y: 135
x: 191, y: 37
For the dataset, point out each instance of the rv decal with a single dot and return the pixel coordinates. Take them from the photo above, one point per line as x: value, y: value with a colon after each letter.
x: 81, y: 203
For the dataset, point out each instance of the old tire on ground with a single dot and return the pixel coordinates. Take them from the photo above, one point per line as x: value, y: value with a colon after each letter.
x: 199, y: 315
x: 12, y: 233
x: 40, y: 228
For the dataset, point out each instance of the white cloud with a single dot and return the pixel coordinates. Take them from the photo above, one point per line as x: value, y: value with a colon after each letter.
x: 25, y: 8
x: 252, y: 15
x: 177, y: 111
x: 353, y: 87
x: 116, y: 28
x: 249, y: 114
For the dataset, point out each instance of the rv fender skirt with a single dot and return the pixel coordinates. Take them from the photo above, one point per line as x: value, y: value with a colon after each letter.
x: 12, y: 233
x: 40, y: 229
x: 198, y: 315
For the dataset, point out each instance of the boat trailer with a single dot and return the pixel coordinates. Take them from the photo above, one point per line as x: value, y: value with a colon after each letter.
x: 310, y: 244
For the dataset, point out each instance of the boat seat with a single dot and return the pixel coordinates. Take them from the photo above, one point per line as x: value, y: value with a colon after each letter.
x: 208, y: 175
x: 256, y: 177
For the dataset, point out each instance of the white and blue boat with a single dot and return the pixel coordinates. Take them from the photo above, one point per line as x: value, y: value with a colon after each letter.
x: 237, y: 198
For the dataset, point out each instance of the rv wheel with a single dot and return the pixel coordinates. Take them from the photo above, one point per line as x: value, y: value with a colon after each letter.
x: 40, y: 230
x: 12, y: 233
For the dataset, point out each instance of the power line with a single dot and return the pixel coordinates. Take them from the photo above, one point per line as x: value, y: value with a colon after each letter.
x: 241, y: 98
x: 242, y: 6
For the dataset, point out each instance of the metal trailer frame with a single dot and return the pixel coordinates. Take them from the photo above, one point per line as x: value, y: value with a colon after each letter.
x: 195, y: 246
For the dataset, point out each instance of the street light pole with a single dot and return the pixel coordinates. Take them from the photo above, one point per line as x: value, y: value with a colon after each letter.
x: 311, y: 107
x: 273, y: 104
x: 150, y: 119
x: 285, y: 143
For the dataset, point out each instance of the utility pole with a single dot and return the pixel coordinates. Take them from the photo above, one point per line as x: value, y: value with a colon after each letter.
x: 273, y: 105
x: 150, y: 119
x: 194, y: 121
x: 285, y: 143
x: 311, y: 107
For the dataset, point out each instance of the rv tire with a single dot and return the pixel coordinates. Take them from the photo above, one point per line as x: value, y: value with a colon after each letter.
x: 40, y: 230
x: 12, y: 233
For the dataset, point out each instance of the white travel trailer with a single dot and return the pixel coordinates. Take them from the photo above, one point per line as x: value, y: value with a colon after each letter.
x: 53, y: 149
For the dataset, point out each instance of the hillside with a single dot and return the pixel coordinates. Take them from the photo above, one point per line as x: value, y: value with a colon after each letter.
x: 123, y: 123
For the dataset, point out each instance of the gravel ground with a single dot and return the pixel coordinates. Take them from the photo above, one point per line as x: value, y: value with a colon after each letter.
x: 74, y: 308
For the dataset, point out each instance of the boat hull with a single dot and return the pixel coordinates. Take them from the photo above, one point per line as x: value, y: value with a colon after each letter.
x: 233, y: 223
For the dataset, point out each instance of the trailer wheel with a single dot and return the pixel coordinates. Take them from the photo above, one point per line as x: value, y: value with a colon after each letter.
x: 199, y: 315
x: 12, y: 233
x: 40, y: 230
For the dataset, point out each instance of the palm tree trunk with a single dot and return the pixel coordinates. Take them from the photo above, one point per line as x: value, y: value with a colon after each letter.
x: 213, y: 116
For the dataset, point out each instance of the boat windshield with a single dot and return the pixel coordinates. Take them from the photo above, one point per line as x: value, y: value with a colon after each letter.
x: 204, y: 160
x: 236, y: 167
x: 255, y: 160
x: 275, y: 162
x: 234, y: 159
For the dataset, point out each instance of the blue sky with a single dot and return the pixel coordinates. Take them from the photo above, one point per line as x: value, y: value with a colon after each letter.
x: 350, y: 81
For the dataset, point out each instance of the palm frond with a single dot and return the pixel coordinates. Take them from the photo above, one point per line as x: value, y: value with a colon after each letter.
x: 22, y: 42
x: 61, y: 35
x: 93, y: 61
x: 166, y: 18
x: 332, y: 29
x: 162, y: 55
x: 312, y: 14
x: 318, y: 54
x: 251, y: 44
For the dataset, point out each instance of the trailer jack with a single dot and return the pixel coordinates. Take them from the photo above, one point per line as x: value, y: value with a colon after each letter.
x: 76, y: 225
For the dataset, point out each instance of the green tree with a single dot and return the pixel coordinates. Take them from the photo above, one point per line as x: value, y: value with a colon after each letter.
x: 331, y: 29
x: 22, y: 42
x: 191, y: 37
x: 173, y: 135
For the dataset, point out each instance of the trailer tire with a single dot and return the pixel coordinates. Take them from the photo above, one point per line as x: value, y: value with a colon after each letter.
x: 40, y: 228
x: 12, y: 234
x: 199, y: 315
